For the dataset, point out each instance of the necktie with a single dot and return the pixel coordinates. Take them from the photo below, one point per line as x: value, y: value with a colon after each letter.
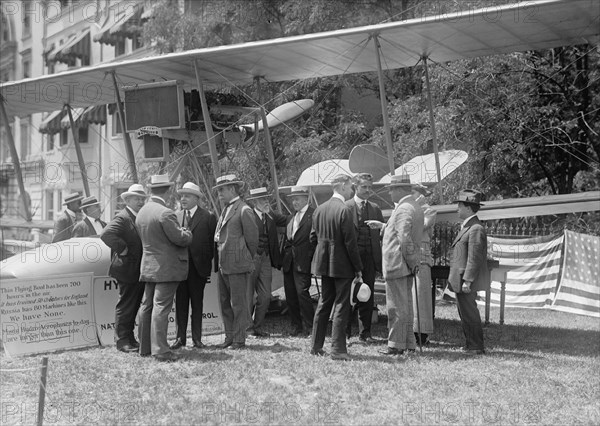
x: 363, y: 211
x: 220, y: 223
x: 188, y: 218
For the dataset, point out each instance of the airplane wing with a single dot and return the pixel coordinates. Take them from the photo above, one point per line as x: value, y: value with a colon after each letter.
x: 531, y: 25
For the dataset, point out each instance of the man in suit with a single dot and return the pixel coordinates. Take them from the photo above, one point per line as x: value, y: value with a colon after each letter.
x: 298, y: 252
x: 202, y: 224
x: 423, y: 325
x: 164, y: 265
x: 91, y: 225
x: 337, y: 261
x: 268, y: 256
x: 401, y: 256
x: 122, y: 237
x: 236, y: 237
x: 63, y: 225
x: 369, y: 247
x: 468, y: 268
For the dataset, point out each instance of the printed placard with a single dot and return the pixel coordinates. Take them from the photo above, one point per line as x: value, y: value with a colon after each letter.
x: 46, y: 314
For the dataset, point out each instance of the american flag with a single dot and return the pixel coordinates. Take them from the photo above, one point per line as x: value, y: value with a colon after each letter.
x: 579, y: 290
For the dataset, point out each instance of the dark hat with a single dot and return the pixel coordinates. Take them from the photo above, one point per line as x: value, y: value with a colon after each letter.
x: 157, y: 181
x: 299, y: 190
x: 89, y: 201
x: 75, y: 196
x: 469, y: 196
x: 422, y: 189
x: 227, y: 180
x: 258, y: 193
x: 400, y: 180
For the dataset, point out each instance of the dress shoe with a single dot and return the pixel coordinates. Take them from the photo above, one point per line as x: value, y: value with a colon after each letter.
x: 166, y: 357
x: 341, y: 357
x: 199, y: 345
x: 391, y: 351
x: 318, y: 352
x: 145, y: 355
x: 237, y: 346
x: 474, y: 352
x: 224, y: 345
x: 259, y: 333
x: 177, y: 344
x: 128, y: 349
x: 368, y: 340
x: 135, y: 343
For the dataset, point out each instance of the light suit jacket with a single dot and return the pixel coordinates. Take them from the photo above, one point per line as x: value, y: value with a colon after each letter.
x: 402, y: 239
x: 469, y: 257
x: 237, y: 239
x: 164, y: 242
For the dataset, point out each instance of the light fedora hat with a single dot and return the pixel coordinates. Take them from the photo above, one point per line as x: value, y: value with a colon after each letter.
x: 362, y: 293
x: 89, y: 201
x: 190, y: 188
x: 469, y: 196
x: 400, y: 181
x: 299, y: 190
x: 135, y: 189
x: 258, y: 193
x: 227, y: 180
x: 157, y: 181
x: 71, y: 198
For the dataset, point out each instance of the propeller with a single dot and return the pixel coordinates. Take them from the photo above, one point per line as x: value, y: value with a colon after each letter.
x: 280, y: 115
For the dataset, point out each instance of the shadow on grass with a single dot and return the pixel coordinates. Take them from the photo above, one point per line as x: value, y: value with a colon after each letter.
x: 275, y: 348
x: 205, y: 356
x: 524, y: 337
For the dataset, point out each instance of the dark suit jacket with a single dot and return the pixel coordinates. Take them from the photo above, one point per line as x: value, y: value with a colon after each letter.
x: 85, y: 228
x: 469, y: 258
x: 201, y: 251
x: 298, y: 250
x: 374, y: 213
x: 238, y: 239
x: 274, y: 220
x: 121, y: 234
x: 336, y: 254
x: 63, y: 228
x: 164, y: 242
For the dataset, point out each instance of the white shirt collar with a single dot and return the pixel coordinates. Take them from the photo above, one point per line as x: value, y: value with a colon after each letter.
x: 159, y: 198
x: 467, y: 219
x: 404, y: 198
x: 71, y: 212
x: 358, y: 200
x: 131, y: 211
x: 233, y: 200
x: 303, y: 209
x: 338, y: 196
x: 259, y: 213
x: 193, y: 210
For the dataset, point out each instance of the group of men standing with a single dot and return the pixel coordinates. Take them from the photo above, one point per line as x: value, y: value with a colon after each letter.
x: 158, y: 254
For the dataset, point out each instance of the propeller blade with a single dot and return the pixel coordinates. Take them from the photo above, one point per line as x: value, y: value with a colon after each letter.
x: 281, y: 114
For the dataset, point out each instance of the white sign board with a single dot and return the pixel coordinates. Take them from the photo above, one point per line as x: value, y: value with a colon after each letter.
x: 46, y: 314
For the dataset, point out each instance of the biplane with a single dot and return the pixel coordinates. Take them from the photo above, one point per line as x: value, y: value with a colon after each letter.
x: 533, y: 25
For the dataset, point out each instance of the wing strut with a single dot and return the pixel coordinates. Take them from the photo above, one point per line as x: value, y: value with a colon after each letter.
x: 384, y: 109
x: 212, y: 145
x: 15, y: 159
x: 433, y: 131
x: 126, y: 138
x: 82, y: 169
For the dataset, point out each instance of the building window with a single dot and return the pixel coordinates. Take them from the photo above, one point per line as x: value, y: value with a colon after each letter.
x: 120, y: 47
x: 25, y: 139
x: 26, y: 25
x: 83, y: 135
x: 137, y: 42
x: 50, y: 205
x: 26, y: 63
x: 64, y: 137
x: 49, y: 142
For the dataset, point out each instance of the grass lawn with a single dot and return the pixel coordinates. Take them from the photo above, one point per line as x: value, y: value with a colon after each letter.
x: 542, y: 367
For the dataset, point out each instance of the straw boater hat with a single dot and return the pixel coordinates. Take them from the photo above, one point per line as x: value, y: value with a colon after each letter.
x: 135, y: 189
x: 400, y: 180
x: 258, y: 193
x: 422, y: 189
x: 469, y: 196
x: 157, y: 181
x: 71, y: 198
x: 228, y: 180
x: 89, y: 201
x: 299, y: 190
x: 189, y: 188
x: 360, y: 293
